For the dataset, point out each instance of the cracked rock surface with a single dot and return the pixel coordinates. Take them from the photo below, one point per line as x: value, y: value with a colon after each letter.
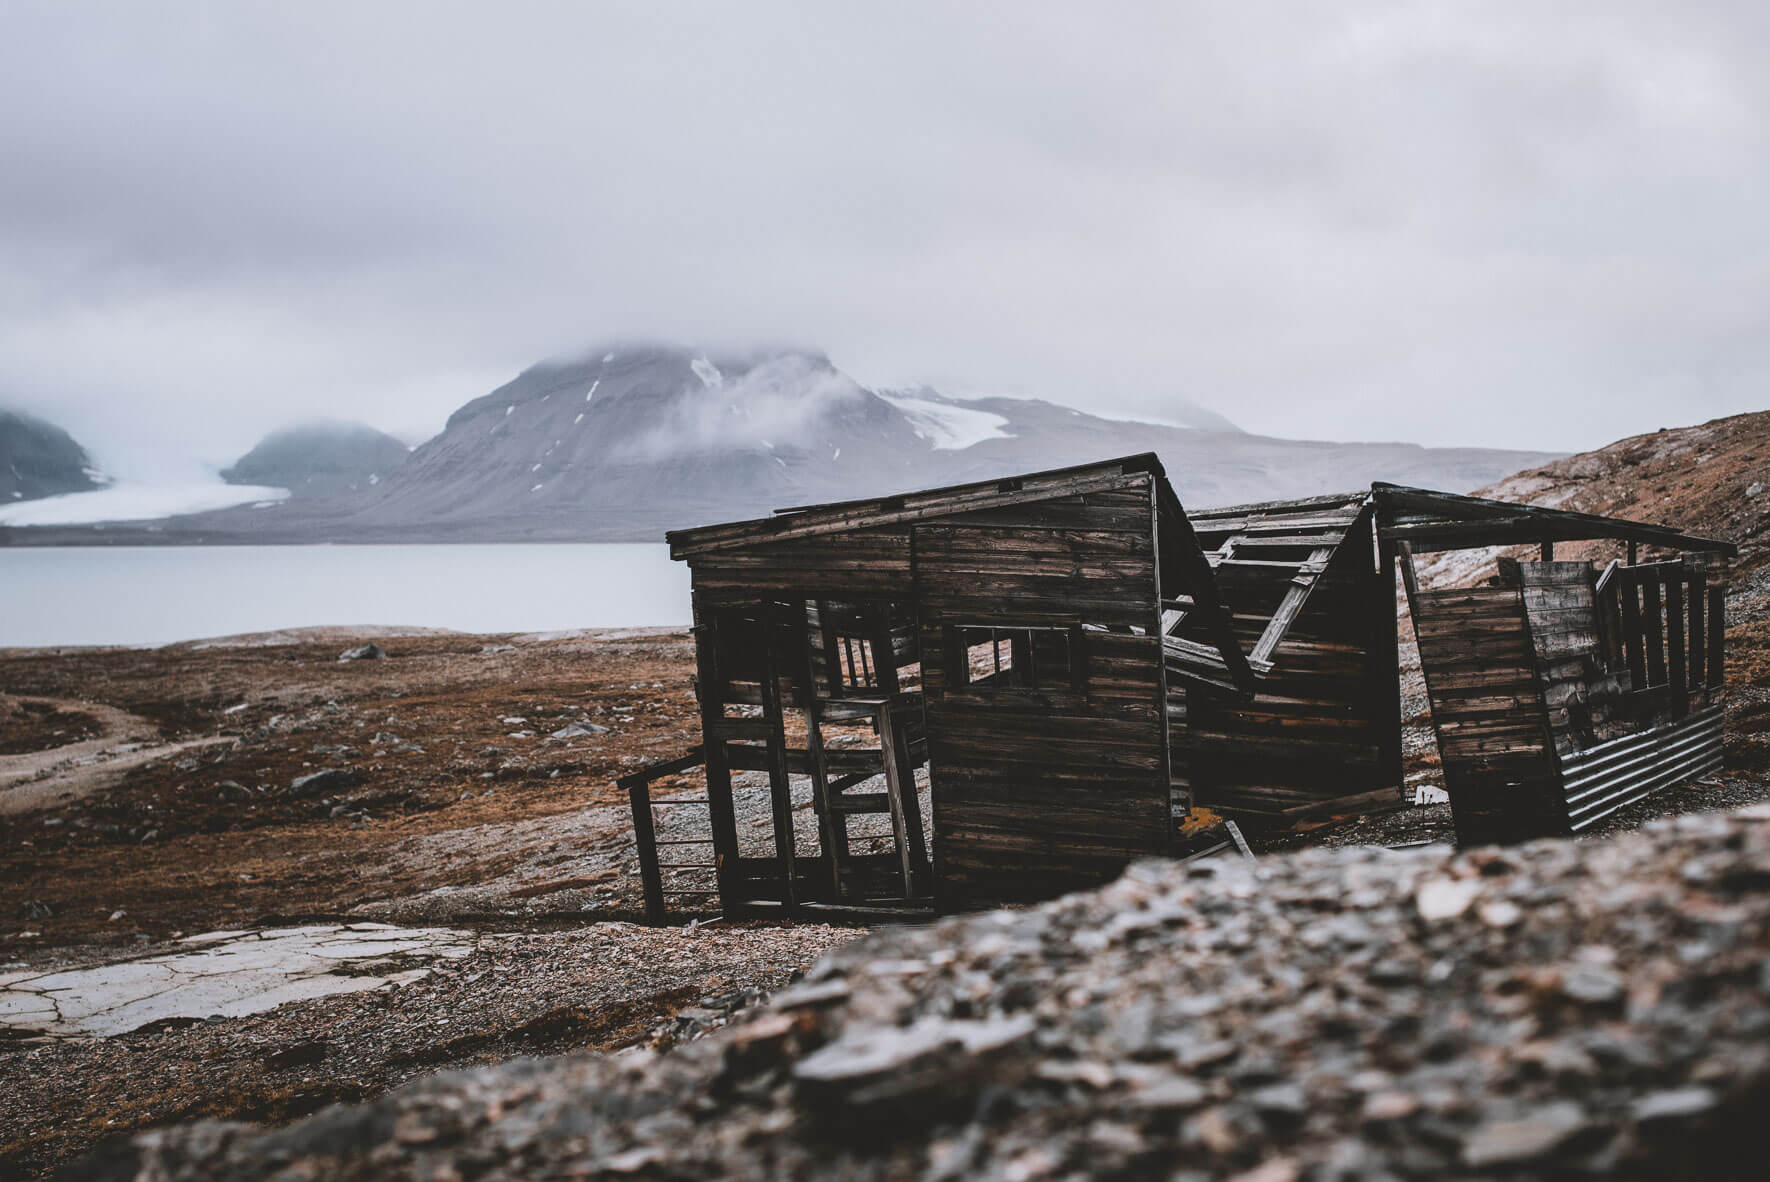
x: 1556, y: 1010
x: 223, y: 973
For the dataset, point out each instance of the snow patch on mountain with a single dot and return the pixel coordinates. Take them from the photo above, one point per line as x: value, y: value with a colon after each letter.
x: 948, y: 427
x: 137, y: 502
x: 707, y: 372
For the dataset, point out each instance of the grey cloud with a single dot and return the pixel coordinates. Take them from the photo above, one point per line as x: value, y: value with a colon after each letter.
x: 1524, y: 225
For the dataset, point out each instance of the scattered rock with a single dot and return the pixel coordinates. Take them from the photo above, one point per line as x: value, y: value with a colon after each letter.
x: 1524, y: 1139
x: 332, y: 779
x: 363, y: 652
x: 1333, y: 1014
x: 1445, y: 898
x: 232, y: 790
x: 578, y: 730
x: 1592, y: 984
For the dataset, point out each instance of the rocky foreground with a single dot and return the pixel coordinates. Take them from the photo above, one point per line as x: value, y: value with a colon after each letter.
x: 1561, y: 1009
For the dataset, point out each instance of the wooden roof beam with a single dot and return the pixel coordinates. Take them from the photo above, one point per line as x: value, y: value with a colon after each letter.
x: 1505, y: 524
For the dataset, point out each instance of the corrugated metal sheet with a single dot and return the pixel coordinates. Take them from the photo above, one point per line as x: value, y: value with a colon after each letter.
x: 1602, y: 779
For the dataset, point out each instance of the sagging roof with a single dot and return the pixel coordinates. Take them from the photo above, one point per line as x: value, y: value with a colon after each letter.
x: 1209, y: 654
x: 1429, y: 520
x: 1295, y: 540
x: 867, y: 512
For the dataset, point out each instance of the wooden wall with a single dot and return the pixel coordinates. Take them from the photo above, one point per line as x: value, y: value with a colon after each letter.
x: 1585, y: 703
x: 1558, y: 699
x: 1316, y: 738
x: 1631, y: 682
x: 861, y: 564
x: 1488, y: 713
x: 1038, y: 793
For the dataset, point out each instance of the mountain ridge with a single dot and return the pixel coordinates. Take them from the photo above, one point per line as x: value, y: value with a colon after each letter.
x: 624, y: 442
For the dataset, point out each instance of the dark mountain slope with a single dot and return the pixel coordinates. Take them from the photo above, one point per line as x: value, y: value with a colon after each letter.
x: 39, y: 459
x: 320, y: 459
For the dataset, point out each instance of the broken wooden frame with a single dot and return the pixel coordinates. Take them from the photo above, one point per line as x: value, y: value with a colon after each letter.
x: 1078, y: 662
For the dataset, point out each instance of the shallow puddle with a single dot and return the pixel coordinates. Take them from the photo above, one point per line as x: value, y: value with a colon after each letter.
x: 224, y: 973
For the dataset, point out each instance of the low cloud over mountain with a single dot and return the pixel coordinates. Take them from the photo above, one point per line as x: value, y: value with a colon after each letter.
x: 629, y: 440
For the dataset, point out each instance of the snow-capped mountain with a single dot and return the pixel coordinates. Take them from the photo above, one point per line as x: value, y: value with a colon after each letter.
x: 630, y: 440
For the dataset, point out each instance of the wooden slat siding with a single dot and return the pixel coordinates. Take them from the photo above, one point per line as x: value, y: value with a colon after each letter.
x: 1035, y: 794
x: 908, y: 507
x: 1677, y: 672
x: 864, y: 564
x: 1166, y: 719
x: 1653, y: 622
x: 709, y: 684
x: 1497, y: 757
x: 1717, y: 639
x: 1316, y: 736
x: 1699, y: 637
x: 1634, y: 654
x: 1581, y: 699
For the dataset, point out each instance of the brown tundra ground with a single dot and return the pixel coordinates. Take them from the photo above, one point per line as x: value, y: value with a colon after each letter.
x: 146, y: 798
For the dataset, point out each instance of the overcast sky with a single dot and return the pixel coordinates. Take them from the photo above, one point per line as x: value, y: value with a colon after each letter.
x: 1531, y: 225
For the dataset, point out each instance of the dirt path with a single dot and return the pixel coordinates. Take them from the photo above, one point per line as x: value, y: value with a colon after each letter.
x: 38, y: 779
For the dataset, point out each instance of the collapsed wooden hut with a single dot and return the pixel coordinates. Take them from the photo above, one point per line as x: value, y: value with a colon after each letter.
x: 1065, y: 664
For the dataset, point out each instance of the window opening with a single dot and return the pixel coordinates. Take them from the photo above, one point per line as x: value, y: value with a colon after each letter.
x: 1015, y: 658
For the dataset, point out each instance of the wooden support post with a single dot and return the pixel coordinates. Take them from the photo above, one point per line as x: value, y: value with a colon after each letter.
x: 721, y: 816
x: 1386, y: 666
x: 832, y: 825
x: 884, y: 656
x: 1410, y: 579
x: 912, y: 804
x: 1547, y: 551
x: 900, y: 784
x: 645, y: 836
x: 1717, y: 637
x: 1653, y: 633
x: 1629, y: 588
x: 1634, y: 553
x: 1698, y: 626
x: 780, y: 784
x: 1677, y: 628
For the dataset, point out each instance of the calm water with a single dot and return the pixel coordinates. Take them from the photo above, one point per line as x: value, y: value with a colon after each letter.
x: 156, y: 595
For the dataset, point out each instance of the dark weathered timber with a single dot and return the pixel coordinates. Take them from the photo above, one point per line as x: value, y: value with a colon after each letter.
x: 1530, y: 523
x: 1699, y: 637
x: 1653, y: 625
x: 645, y: 836
x: 1677, y: 673
x: 1717, y: 638
x: 1138, y: 658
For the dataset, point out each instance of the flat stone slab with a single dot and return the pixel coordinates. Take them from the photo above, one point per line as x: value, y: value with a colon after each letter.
x: 224, y: 973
